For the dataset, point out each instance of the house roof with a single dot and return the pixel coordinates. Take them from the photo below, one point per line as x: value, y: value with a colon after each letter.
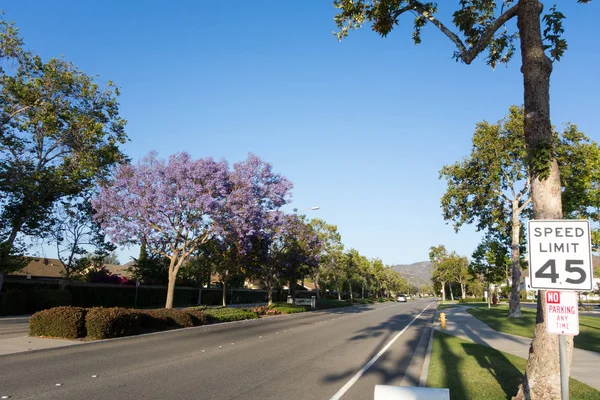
x: 42, y: 267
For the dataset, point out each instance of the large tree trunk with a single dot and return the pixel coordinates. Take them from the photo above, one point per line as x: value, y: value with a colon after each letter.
x: 514, y: 304
x: 173, y: 270
x: 542, y: 374
x: 462, y: 290
x: 224, y: 293
x: 443, y: 291
x: 316, y: 281
x: 337, y: 287
x: 450, y: 290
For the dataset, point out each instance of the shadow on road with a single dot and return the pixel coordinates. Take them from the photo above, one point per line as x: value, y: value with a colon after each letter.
x: 390, y: 371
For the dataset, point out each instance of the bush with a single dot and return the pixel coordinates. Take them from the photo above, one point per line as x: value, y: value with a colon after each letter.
x: 285, y: 308
x: 153, y: 319
x: 105, y: 323
x: 42, y: 299
x: 178, y: 318
x: 14, y: 302
x: 472, y: 300
x: 216, y: 315
x: 324, y: 304
x: 198, y: 317
x: 264, y: 310
x: 60, y: 322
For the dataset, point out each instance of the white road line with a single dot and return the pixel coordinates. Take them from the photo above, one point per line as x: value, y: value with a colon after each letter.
x: 364, y: 369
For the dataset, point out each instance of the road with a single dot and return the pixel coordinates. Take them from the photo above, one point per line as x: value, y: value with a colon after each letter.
x: 310, y: 355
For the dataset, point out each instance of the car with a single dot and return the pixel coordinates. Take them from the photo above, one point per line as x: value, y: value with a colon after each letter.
x: 401, y: 298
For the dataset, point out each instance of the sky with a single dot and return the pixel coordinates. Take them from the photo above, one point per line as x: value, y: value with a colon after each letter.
x: 360, y: 127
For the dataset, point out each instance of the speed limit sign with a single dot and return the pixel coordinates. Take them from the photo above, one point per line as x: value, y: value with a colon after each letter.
x: 560, y: 254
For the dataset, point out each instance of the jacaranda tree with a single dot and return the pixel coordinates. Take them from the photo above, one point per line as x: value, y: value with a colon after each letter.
x: 170, y: 206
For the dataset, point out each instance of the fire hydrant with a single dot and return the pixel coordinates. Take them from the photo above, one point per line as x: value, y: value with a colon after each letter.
x: 443, y: 320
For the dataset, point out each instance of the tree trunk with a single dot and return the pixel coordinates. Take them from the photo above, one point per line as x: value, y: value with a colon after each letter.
x: 514, y: 304
x: 542, y: 374
x: 489, y: 298
x: 316, y: 281
x: 170, y: 290
x: 224, y: 294
x: 443, y: 291
x: 462, y: 290
x: 350, y: 286
x: 450, y: 290
x: 337, y: 287
x: 293, y: 287
x: 363, y: 291
x: 270, y: 295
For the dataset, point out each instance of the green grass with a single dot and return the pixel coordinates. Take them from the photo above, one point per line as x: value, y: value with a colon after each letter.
x: 496, y: 318
x: 225, y: 314
x: 473, y: 371
x: 286, y: 308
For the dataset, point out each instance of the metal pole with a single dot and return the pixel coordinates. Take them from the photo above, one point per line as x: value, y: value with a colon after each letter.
x: 564, y: 367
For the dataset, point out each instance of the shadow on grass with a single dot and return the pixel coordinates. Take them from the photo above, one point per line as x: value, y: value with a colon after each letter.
x: 498, y: 366
x: 451, y: 362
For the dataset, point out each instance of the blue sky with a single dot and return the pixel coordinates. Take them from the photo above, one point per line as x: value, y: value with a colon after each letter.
x: 361, y: 127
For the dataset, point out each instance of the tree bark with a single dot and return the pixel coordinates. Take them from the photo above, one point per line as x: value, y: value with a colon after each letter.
x: 514, y: 304
x: 316, y: 281
x: 170, y: 290
x: 542, y: 374
x: 337, y: 287
x: 363, y: 291
x: 224, y: 293
x: 350, y: 286
x: 443, y: 291
x: 462, y: 290
x: 450, y: 290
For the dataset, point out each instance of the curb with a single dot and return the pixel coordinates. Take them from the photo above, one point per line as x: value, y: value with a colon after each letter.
x: 425, y: 369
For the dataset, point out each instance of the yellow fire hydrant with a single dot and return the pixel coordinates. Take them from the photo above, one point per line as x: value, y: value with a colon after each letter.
x: 443, y: 320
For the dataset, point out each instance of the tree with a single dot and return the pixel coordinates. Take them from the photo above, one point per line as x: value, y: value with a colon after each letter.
x: 492, y: 185
x: 436, y: 255
x: 74, y: 234
x: 331, y: 242
x: 301, y: 250
x: 172, y: 207
x: 253, y: 192
x: 491, y: 261
x: 482, y: 25
x: 59, y: 134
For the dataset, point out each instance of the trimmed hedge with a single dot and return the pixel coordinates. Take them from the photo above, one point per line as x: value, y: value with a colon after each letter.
x: 60, y: 322
x: 178, y: 318
x: 198, y: 317
x: 288, y: 308
x: 14, y: 302
x: 105, y: 323
x: 153, y: 319
x: 472, y: 300
x: 42, y: 299
x: 216, y: 315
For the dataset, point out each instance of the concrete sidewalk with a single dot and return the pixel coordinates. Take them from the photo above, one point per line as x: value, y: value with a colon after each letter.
x: 459, y: 322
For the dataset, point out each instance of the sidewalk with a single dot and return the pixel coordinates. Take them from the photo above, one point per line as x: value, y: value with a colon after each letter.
x: 459, y: 322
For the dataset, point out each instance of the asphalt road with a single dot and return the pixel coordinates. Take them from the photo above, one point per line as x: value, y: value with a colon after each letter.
x: 13, y: 327
x: 309, y: 356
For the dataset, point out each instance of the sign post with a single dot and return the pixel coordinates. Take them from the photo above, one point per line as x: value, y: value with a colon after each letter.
x: 560, y: 261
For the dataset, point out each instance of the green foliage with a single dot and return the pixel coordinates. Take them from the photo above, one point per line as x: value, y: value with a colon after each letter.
x: 60, y: 322
x: 471, y: 300
x: 153, y: 319
x: 553, y: 33
x: 106, y: 323
x: 216, y: 315
x: 14, y: 302
x: 285, y: 308
x: 178, y: 318
x: 199, y: 318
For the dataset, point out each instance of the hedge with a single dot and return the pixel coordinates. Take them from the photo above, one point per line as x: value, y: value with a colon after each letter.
x: 14, y: 302
x: 153, y: 319
x: 285, y: 308
x: 105, y: 323
x: 472, y: 300
x: 216, y: 315
x: 61, y: 322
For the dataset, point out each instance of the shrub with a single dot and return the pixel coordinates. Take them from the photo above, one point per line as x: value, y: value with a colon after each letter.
x: 14, y: 302
x: 42, y: 299
x: 472, y: 300
x: 215, y: 315
x: 264, y: 310
x: 105, y: 323
x: 285, y: 308
x: 325, y: 304
x: 153, y: 319
x: 198, y: 317
x: 178, y: 318
x: 61, y: 322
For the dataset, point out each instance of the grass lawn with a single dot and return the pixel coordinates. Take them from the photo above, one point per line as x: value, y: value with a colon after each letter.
x: 589, y: 327
x: 473, y: 371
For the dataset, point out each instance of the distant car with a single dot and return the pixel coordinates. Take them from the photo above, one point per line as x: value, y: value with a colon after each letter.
x: 401, y: 298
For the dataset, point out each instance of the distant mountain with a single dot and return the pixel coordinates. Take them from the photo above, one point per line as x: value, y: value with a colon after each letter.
x: 418, y: 273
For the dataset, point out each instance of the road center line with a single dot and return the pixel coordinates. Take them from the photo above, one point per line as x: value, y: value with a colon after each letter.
x: 364, y: 369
